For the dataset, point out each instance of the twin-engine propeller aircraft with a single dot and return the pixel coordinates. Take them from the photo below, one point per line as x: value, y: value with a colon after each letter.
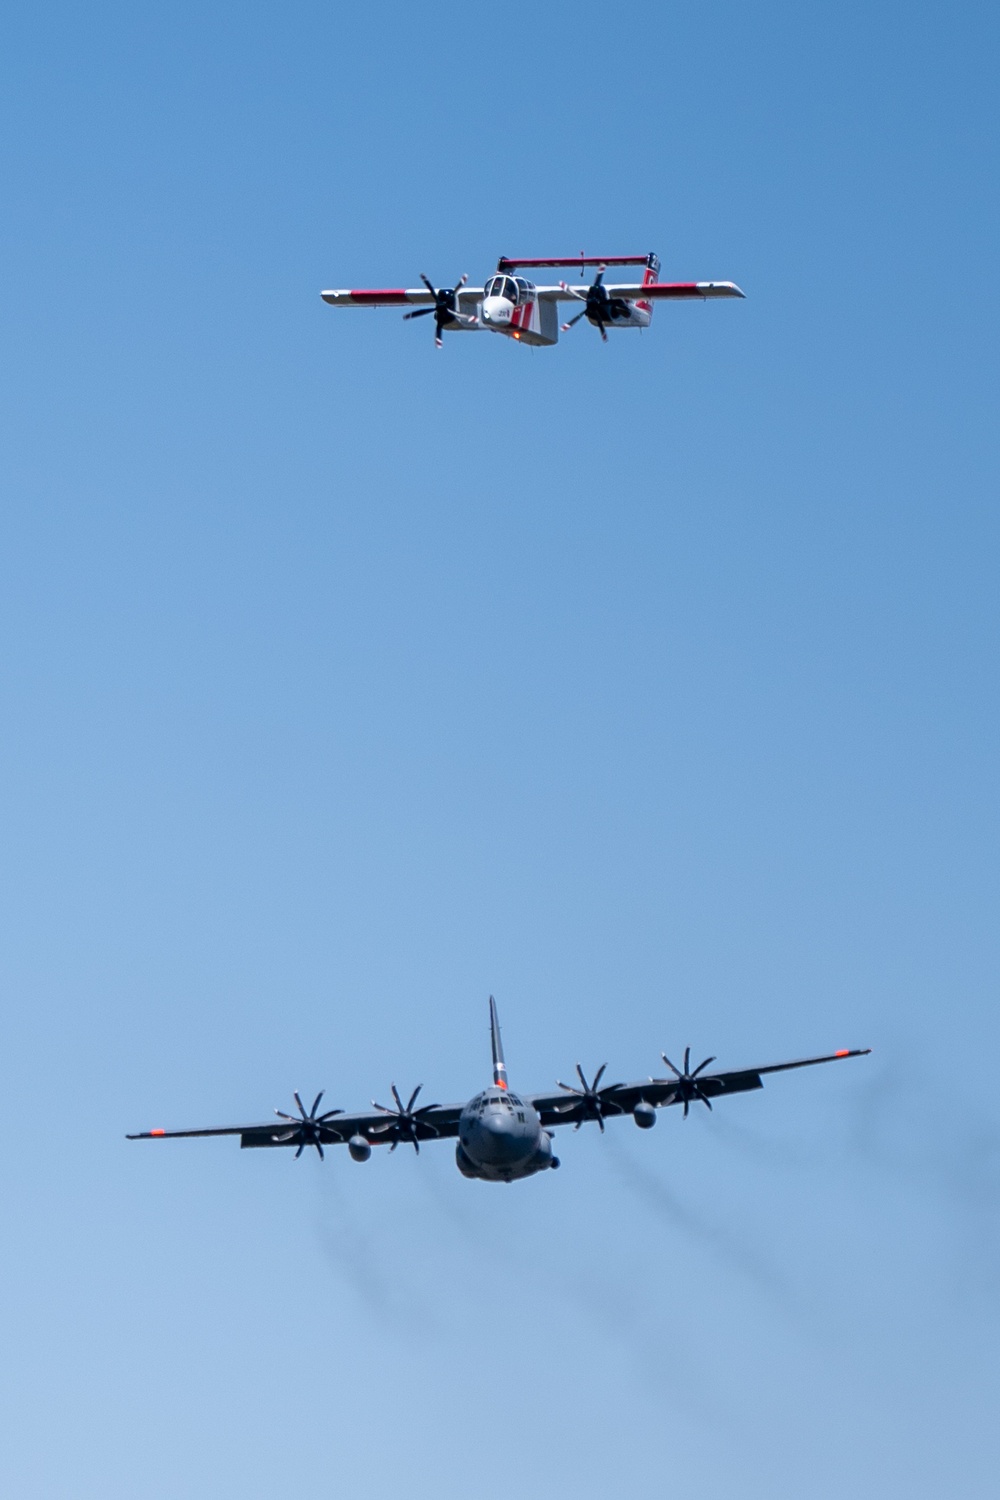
x: 529, y: 314
x: 502, y: 1136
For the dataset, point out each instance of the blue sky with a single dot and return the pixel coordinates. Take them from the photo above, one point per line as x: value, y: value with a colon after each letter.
x: 651, y: 687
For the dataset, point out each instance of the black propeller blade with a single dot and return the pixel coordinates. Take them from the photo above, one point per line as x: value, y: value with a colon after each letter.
x: 589, y: 1097
x: 687, y: 1087
x: 445, y: 308
x: 404, y: 1121
x: 599, y: 306
x: 308, y: 1125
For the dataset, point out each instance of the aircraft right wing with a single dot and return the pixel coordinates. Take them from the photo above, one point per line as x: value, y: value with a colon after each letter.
x: 656, y: 291
x: 419, y: 296
x: 405, y: 1125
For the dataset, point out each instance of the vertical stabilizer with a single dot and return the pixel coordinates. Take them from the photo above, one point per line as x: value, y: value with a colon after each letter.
x: 499, y: 1066
x: 651, y: 274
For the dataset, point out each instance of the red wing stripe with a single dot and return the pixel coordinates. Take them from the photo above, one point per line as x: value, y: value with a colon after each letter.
x: 393, y: 295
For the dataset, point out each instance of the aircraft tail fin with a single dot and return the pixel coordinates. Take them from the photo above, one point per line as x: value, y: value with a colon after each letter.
x: 499, y: 1066
x: 650, y: 275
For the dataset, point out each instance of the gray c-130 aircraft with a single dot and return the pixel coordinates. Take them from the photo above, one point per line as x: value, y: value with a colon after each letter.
x: 502, y: 1136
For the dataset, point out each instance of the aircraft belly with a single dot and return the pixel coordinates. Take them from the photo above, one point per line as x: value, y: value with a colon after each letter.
x: 534, y: 323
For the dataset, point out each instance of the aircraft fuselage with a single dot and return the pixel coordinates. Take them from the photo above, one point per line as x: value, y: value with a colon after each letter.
x: 501, y: 1138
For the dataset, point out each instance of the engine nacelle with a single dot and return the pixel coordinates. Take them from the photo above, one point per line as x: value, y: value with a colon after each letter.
x: 359, y: 1148
x: 644, y: 1115
x: 543, y: 1158
x: 464, y: 1165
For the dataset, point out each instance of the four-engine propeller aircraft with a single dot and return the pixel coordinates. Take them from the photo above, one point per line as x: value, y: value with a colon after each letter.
x: 502, y: 1136
x: 529, y: 314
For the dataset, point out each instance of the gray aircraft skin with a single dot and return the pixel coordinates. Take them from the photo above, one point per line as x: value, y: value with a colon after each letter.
x: 501, y: 1136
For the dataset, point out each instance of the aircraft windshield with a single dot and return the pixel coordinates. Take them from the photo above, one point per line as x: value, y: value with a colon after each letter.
x: 503, y: 286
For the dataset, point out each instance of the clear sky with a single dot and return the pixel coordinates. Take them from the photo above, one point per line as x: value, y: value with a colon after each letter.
x: 651, y: 687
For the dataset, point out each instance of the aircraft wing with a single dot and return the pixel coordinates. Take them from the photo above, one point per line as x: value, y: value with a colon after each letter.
x: 468, y: 296
x: 432, y: 1122
x: 634, y: 291
x: 562, y: 1108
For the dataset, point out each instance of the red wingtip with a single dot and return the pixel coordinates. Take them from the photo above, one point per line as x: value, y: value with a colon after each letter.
x: 157, y: 1132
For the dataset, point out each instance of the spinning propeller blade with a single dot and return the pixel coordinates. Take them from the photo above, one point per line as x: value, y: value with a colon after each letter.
x: 445, y: 308
x: 687, y: 1088
x: 404, y: 1121
x: 308, y: 1125
x: 600, y: 308
x: 590, y: 1098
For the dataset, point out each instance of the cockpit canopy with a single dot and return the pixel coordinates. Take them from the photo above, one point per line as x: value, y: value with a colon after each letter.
x: 514, y: 288
x: 497, y: 1098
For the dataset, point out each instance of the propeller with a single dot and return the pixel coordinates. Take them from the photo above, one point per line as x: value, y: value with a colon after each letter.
x: 599, y: 306
x: 445, y: 308
x: 308, y: 1125
x: 688, y: 1088
x: 590, y: 1097
x: 405, y: 1120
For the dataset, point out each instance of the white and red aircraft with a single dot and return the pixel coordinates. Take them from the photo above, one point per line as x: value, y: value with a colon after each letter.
x: 529, y: 314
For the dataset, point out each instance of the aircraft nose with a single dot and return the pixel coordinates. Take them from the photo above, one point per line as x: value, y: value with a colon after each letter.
x: 496, y: 310
x: 502, y: 1141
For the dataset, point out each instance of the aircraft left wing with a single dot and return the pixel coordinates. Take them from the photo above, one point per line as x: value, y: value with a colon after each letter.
x: 568, y: 1108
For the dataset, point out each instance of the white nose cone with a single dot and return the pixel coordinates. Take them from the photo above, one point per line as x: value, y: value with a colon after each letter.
x: 497, y: 310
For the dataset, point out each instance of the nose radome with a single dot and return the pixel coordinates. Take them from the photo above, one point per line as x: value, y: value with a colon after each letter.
x: 496, y: 310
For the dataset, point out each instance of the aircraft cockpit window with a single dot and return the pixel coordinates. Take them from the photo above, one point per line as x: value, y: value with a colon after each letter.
x: 507, y: 289
x: 523, y: 287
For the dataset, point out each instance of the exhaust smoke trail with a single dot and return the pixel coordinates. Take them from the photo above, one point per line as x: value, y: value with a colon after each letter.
x: 721, y: 1241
